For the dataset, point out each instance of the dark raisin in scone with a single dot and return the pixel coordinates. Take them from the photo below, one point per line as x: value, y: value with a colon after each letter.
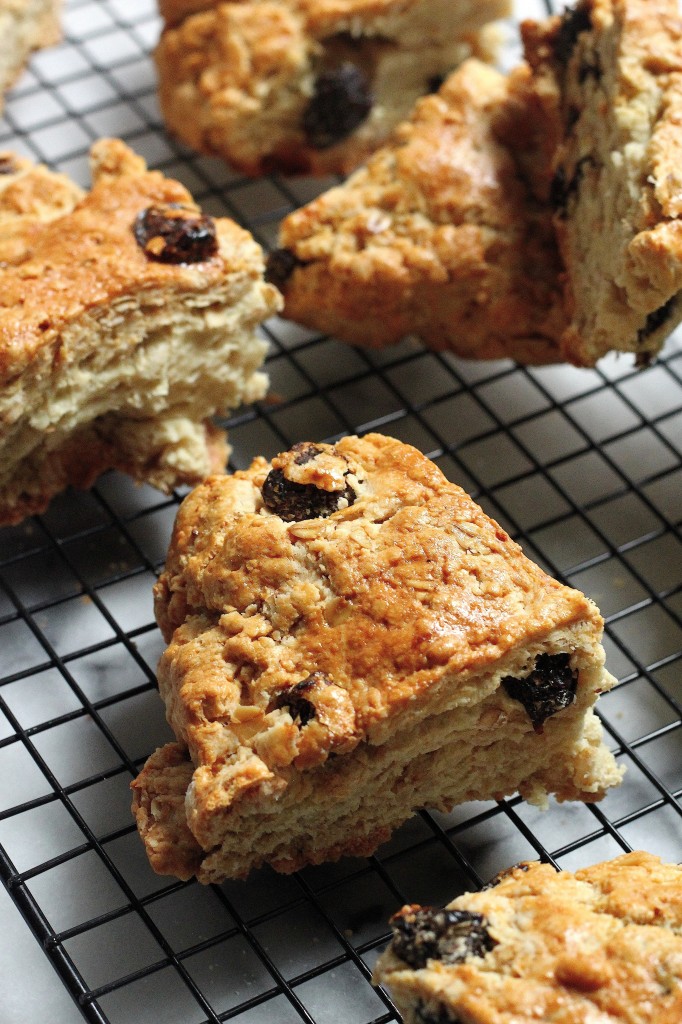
x: 602, y: 945
x: 351, y: 638
x: 309, y: 86
x: 127, y: 320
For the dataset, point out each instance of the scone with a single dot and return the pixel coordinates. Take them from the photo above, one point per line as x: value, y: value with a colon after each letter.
x: 601, y: 946
x: 351, y: 638
x: 445, y: 234
x: 613, y: 70
x: 25, y: 25
x: 127, y: 319
x: 308, y: 85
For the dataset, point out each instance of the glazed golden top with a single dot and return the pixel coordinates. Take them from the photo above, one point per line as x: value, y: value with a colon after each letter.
x: 384, y: 597
x: 601, y: 946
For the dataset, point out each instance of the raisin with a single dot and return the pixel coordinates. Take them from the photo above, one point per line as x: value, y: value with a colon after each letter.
x: 7, y: 164
x: 656, y: 320
x: 573, y: 21
x: 306, y: 451
x: 173, y: 234
x: 434, y: 83
x: 421, y: 934
x: 341, y: 101
x: 292, y: 698
x: 293, y: 501
x: 280, y: 266
x: 548, y: 689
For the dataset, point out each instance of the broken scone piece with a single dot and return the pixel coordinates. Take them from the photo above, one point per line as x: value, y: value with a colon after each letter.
x: 127, y: 320
x: 445, y: 234
x: 308, y: 85
x: 25, y: 26
x: 601, y: 945
x: 610, y: 72
x: 350, y: 639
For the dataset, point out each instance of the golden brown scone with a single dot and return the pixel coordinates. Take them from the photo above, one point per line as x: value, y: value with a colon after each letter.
x: 308, y: 85
x: 445, y: 234
x: 127, y: 319
x: 613, y: 71
x: 350, y: 639
x: 601, y: 946
x: 25, y: 26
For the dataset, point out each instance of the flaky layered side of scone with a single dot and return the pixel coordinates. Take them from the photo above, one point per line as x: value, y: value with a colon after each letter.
x: 25, y: 26
x: 613, y: 69
x: 308, y: 86
x: 601, y: 946
x: 350, y: 639
x: 445, y: 234
x: 127, y: 320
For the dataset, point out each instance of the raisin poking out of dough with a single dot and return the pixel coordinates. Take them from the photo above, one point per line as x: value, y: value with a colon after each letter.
x: 341, y: 102
x: 549, y: 688
x: 7, y: 164
x: 173, y: 234
x: 293, y: 501
x: 280, y: 266
x: 573, y: 21
x: 421, y: 934
x: 294, y: 700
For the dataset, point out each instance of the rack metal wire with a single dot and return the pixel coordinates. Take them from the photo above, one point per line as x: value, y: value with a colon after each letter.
x: 583, y: 467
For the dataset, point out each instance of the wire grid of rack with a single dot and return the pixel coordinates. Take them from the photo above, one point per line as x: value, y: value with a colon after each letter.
x: 583, y: 467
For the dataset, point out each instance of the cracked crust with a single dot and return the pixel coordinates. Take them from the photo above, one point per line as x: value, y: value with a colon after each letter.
x: 98, y: 341
x: 445, y: 234
x: 611, y: 73
x: 25, y: 26
x: 601, y: 945
x: 314, y: 663
x: 238, y: 80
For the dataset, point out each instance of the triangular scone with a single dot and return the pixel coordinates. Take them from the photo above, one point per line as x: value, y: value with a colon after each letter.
x: 351, y: 638
x: 444, y: 234
x: 308, y: 85
x: 601, y: 946
x: 613, y: 70
x: 25, y: 25
x: 127, y: 319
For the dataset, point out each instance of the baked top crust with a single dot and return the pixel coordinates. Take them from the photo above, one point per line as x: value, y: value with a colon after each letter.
x: 89, y: 258
x: 385, y: 597
x: 446, y: 233
x: 612, y: 72
x: 603, y: 944
x: 311, y: 86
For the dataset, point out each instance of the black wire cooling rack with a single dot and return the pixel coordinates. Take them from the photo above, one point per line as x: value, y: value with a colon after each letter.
x: 583, y: 467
